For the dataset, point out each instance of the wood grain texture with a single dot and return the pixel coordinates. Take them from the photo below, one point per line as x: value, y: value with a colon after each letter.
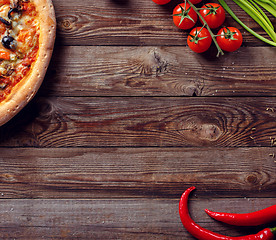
x: 115, y: 219
x: 159, y: 71
x: 130, y: 23
x: 136, y: 172
x: 143, y: 122
x: 127, y: 119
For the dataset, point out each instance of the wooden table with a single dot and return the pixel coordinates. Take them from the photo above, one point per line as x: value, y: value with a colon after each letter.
x: 127, y: 118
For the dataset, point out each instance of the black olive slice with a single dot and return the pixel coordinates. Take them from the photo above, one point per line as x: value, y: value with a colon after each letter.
x: 5, y: 21
x: 13, y: 10
x: 8, y: 42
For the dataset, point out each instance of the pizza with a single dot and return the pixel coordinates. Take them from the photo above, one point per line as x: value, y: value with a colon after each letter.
x: 27, y: 31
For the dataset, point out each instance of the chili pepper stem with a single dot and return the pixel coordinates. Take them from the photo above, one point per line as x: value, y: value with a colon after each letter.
x: 208, y: 28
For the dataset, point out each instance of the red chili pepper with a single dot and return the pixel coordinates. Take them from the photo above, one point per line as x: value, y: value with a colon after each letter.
x: 246, y: 219
x: 204, y: 234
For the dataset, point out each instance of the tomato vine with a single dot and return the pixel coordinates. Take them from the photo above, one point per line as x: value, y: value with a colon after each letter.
x: 213, y: 36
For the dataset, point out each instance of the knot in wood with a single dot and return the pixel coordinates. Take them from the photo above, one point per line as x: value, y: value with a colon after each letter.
x: 192, y: 91
x: 208, y: 132
x: 252, y: 179
x: 8, y: 177
x: 152, y: 63
x: 66, y: 24
x: 46, y: 107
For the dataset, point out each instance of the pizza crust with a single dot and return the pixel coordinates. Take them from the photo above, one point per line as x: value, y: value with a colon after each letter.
x: 25, y: 90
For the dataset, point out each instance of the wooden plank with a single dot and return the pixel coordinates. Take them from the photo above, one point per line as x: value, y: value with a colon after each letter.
x: 141, y: 22
x: 159, y: 71
x: 143, y: 122
x: 115, y: 219
x: 62, y: 173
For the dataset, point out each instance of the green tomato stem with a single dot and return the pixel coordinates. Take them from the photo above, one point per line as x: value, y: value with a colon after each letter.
x: 208, y: 28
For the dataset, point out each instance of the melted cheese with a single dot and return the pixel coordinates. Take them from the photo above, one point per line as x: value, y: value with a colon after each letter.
x: 4, y: 11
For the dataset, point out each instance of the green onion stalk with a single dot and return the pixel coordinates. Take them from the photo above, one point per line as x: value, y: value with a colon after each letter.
x: 254, y: 9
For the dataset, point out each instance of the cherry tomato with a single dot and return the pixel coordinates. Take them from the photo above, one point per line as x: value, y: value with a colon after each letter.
x: 195, y: 1
x: 161, y: 2
x: 213, y: 14
x: 184, y: 16
x: 199, y: 39
x: 229, y: 39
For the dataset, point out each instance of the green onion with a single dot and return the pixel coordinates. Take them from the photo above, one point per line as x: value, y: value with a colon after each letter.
x: 262, y: 13
x: 258, y: 15
x: 269, y: 5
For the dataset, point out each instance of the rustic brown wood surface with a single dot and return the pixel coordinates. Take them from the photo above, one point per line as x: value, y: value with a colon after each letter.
x: 127, y: 118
